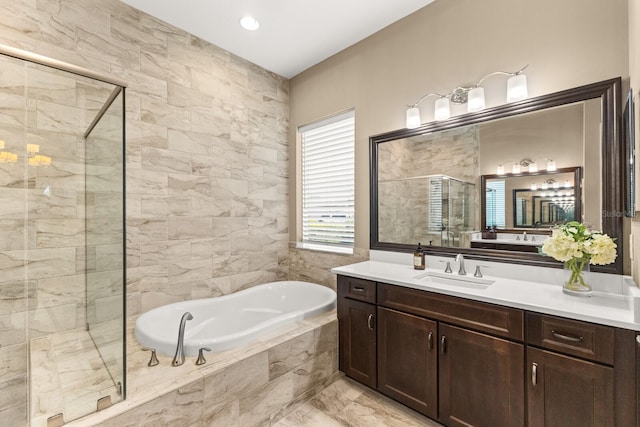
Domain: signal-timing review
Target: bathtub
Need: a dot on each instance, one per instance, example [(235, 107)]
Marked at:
[(232, 320)]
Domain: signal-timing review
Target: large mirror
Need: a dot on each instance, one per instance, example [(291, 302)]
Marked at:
[(492, 184)]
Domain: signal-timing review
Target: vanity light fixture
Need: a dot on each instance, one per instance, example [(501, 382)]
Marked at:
[(534, 187), (551, 165), (249, 23), (473, 96), (567, 184), (500, 169), (515, 169)]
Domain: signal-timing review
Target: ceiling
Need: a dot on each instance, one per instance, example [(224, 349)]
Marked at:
[(293, 35)]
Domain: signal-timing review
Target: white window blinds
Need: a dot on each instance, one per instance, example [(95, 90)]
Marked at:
[(496, 204), (328, 182)]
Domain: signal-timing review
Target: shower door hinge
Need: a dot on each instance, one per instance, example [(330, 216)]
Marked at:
[(104, 403), (56, 420)]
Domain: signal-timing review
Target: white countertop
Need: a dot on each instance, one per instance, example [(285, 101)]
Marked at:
[(509, 241), (612, 309)]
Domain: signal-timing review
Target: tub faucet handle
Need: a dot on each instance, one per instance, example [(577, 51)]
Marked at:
[(154, 359), (201, 360)]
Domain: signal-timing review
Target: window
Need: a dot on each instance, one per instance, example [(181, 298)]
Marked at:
[(495, 214), (328, 184)]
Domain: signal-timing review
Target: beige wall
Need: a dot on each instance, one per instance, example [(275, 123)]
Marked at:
[(567, 43)]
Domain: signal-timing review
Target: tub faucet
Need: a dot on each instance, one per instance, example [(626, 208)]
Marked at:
[(460, 260), (178, 359)]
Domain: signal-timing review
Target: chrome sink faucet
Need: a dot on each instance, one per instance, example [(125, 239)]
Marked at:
[(178, 359), (460, 261)]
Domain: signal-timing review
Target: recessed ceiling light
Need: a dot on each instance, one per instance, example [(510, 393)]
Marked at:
[(249, 23)]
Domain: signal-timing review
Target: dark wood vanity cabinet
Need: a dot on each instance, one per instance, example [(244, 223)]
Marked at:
[(408, 360), (566, 391), (467, 363), (578, 373), (357, 329), (481, 379)]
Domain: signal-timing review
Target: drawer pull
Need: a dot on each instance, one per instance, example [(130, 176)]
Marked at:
[(443, 344), (430, 341), (567, 337), (534, 374), (370, 322), (358, 289)]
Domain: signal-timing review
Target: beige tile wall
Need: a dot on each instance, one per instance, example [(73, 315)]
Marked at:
[(206, 146), (206, 162)]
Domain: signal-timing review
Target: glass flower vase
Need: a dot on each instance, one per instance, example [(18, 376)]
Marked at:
[(575, 283)]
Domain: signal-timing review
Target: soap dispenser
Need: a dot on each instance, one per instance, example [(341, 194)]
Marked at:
[(418, 258)]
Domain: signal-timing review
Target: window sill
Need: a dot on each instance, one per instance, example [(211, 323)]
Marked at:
[(324, 248)]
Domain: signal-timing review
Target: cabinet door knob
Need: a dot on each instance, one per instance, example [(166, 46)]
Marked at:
[(430, 341), (370, 322), (443, 344), (534, 374)]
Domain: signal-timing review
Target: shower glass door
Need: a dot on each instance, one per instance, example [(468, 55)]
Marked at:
[(61, 243)]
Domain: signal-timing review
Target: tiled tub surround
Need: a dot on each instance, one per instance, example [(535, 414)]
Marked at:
[(253, 385), (206, 174)]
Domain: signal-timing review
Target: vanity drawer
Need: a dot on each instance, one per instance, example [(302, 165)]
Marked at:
[(573, 337), (493, 319), (360, 289)]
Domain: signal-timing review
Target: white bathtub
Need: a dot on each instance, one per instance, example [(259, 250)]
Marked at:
[(232, 320)]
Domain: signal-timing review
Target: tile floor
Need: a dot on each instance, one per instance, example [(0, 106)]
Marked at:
[(347, 403), (68, 376)]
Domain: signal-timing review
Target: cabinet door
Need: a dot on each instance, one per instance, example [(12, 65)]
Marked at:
[(408, 360), (481, 379), (357, 328), (564, 391)]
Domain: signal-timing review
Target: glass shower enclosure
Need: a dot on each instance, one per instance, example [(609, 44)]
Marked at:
[(62, 265), (431, 209)]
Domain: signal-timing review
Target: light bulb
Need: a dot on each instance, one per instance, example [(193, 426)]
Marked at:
[(442, 111), (517, 88), (413, 117), (500, 170), (551, 165), (515, 168), (475, 100), (534, 187), (533, 167), (249, 23)]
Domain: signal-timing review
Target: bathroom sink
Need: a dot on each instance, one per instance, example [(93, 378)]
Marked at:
[(455, 279)]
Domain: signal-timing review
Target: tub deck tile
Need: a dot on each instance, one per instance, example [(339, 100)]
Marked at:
[(232, 389)]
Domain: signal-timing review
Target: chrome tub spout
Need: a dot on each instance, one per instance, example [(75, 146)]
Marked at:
[(178, 359)]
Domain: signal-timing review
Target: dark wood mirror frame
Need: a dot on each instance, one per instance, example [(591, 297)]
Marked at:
[(577, 188), (608, 91)]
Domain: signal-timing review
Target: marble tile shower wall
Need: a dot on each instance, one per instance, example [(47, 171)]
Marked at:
[(206, 165), (42, 216), (206, 146), (404, 204)]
